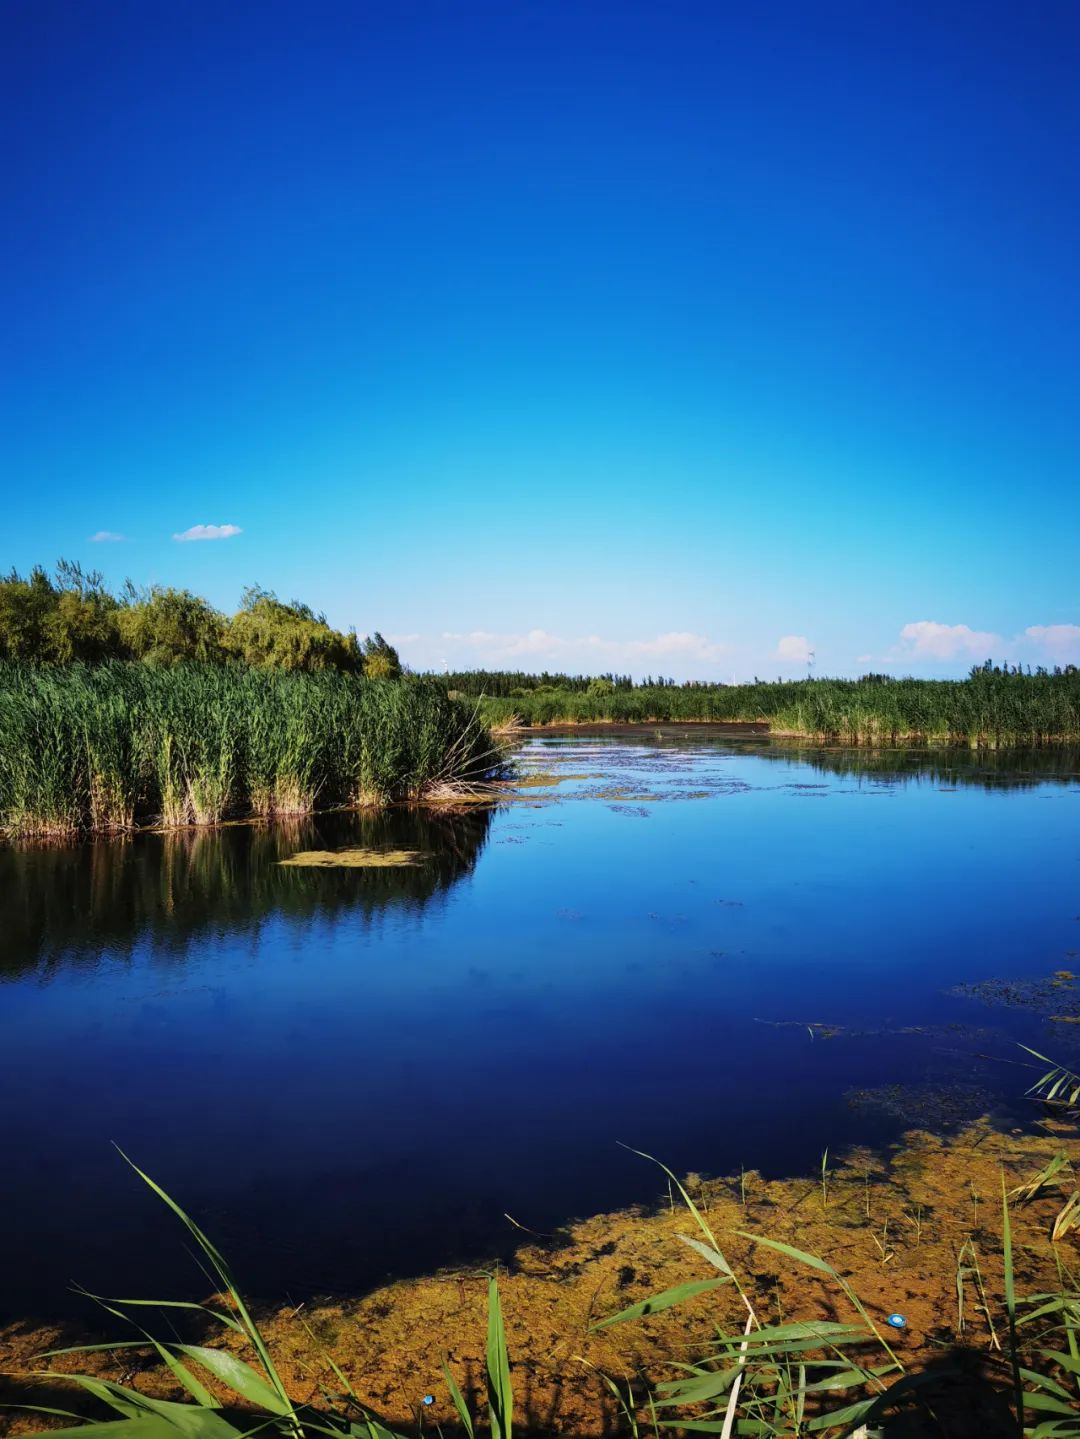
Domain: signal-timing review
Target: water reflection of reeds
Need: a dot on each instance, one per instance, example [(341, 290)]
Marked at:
[(983, 769), (71, 905)]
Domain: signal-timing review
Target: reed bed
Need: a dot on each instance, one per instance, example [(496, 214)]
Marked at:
[(991, 708), (100, 748)]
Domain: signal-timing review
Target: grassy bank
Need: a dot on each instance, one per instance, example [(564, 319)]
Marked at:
[(97, 748), (991, 707)]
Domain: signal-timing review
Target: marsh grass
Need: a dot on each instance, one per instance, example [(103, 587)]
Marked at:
[(102, 748), (992, 708)]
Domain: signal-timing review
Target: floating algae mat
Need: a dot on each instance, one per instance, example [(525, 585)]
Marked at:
[(353, 858)]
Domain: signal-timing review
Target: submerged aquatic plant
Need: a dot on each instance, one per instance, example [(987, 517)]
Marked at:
[(969, 1271)]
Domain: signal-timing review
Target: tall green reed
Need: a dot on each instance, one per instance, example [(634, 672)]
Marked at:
[(93, 748)]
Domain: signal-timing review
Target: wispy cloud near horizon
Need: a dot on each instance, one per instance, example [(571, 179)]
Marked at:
[(927, 647), (937, 643), (207, 532), (539, 647), (106, 537), (793, 650)]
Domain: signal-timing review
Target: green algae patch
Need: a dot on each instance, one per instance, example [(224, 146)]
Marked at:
[(353, 858)]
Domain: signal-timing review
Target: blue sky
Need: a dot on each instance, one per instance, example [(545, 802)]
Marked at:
[(669, 337)]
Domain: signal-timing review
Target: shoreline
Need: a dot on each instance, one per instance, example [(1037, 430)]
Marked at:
[(762, 729), (748, 729)]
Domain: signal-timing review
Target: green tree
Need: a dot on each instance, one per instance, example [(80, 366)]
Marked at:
[(381, 659), (266, 631), (55, 621), (164, 626)]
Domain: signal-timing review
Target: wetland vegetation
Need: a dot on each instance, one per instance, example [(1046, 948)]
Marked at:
[(996, 706), (233, 981), (106, 747), (154, 708)]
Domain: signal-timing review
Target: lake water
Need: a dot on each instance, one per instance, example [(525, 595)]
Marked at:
[(724, 952)]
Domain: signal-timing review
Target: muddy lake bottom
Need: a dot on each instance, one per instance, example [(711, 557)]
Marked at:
[(727, 952)]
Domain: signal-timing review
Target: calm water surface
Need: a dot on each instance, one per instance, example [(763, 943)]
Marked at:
[(351, 1074)]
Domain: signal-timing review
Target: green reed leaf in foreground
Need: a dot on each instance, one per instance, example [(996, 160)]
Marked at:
[(1010, 1304), (500, 1391), (221, 1269), (142, 1426), (238, 1376), (664, 1300), (1057, 1086), (813, 1261), (460, 1406)]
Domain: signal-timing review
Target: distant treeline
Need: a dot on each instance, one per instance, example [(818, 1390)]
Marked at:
[(994, 705), (512, 684), (70, 617)]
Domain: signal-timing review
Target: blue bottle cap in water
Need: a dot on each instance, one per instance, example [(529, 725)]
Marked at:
[(429, 1398), (897, 1321)]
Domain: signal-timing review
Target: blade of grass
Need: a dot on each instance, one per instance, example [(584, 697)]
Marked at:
[(1010, 1306), (658, 1302), (500, 1391)]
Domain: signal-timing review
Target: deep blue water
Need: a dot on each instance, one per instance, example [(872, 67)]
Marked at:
[(351, 1074)]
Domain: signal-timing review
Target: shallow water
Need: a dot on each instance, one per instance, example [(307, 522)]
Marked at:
[(723, 952)]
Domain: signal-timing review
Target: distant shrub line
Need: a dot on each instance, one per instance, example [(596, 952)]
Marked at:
[(105, 747), (992, 706)]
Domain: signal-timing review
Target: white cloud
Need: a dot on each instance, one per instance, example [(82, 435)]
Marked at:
[(930, 641), (680, 644), (106, 537), (490, 647), (1061, 643), (208, 532), (535, 642), (795, 649), (922, 647), (927, 639)]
